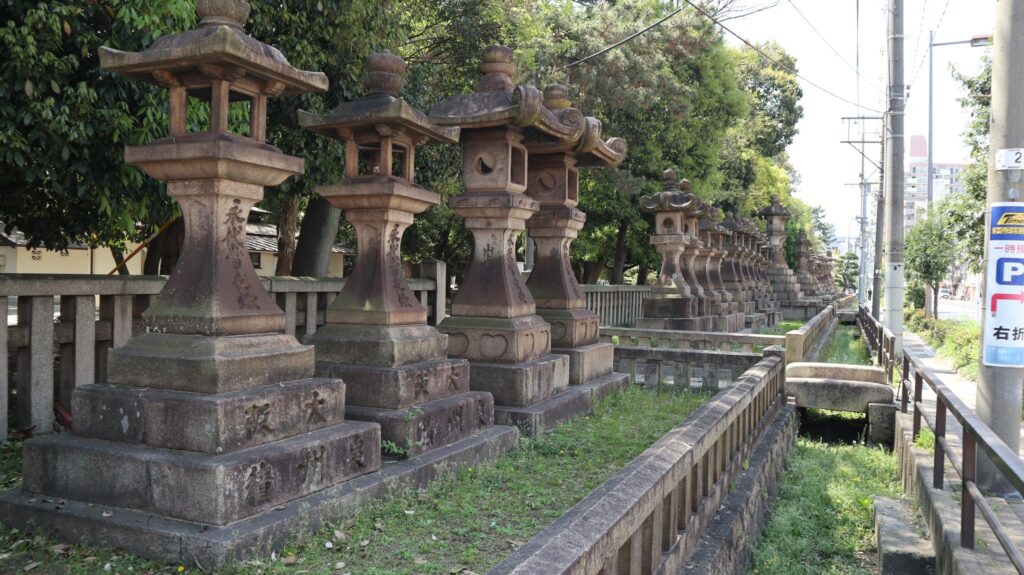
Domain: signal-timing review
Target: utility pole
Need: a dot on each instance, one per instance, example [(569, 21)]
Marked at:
[(865, 189), (876, 294), (894, 189), (999, 388)]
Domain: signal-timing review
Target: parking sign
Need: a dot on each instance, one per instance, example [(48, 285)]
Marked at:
[(1003, 337)]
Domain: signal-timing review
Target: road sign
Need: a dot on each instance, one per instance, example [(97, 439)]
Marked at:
[(1003, 332)]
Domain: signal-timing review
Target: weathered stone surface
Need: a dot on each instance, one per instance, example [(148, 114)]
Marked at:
[(837, 394), (431, 425), (602, 387), (543, 416), (882, 422), (199, 487), (588, 363), (571, 327), (378, 345), (497, 340), (208, 423), (727, 546), (900, 538), (399, 387), (836, 371), (204, 364), (182, 542), (522, 384)]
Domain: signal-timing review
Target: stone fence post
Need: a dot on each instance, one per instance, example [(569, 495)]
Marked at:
[(436, 270)]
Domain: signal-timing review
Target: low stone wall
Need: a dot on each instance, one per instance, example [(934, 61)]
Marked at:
[(650, 516), (680, 339), (685, 368), (808, 342)]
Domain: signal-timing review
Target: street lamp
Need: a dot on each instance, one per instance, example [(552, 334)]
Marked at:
[(975, 42)]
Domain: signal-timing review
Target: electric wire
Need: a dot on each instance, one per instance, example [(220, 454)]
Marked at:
[(856, 70), (773, 60), (920, 64), (623, 41)]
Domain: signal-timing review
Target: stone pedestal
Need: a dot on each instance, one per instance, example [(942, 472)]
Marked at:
[(494, 322), (398, 371)]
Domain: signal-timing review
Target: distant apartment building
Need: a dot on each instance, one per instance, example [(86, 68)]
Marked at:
[(945, 181)]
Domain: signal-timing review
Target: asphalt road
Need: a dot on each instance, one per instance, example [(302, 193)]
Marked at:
[(957, 309)]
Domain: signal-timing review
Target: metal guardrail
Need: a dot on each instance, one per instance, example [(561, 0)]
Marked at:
[(975, 434)]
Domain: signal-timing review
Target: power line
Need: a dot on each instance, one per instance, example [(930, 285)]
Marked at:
[(920, 64), (920, 27), (771, 59), (856, 70), (623, 41)]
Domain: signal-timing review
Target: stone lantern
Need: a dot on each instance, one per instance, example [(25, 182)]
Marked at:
[(688, 264), (396, 367), (210, 420), (784, 282), (727, 316), (671, 304), (553, 180), (494, 323), (808, 285)]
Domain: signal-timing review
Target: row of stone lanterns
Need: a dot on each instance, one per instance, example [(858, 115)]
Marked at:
[(216, 430)]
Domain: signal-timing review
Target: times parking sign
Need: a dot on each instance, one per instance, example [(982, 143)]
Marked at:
[(1003, 337)]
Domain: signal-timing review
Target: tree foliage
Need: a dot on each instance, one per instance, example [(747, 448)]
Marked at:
[(930, 249), (845, 273), (966, 210)]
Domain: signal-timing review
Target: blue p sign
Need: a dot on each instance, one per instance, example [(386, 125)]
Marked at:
[(1010, 271)]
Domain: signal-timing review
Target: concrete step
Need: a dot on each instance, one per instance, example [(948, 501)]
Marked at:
[(901, 538)]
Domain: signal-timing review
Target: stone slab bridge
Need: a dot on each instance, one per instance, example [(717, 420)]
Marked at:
[(219, 412)]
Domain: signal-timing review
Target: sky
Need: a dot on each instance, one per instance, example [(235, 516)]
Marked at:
[(825, 164)]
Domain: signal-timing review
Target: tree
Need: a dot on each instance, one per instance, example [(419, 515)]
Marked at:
[(966, 210), (64, 123), (930, 251), (845, 274)]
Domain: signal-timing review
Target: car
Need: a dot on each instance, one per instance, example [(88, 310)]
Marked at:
[(944, 293)]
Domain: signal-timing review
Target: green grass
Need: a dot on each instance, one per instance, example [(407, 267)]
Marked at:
[(467, 520), (781, 328), (822, 520), (847, 347)]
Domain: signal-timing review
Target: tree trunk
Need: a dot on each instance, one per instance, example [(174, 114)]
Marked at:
[(641, 275), (119, 259), (319, 229), (935, 301), (619, 267), (170, 246), (151, 266), (287, 224), (592, 271)]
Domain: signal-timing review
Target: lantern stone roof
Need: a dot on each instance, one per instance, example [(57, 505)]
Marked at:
[(551, 124), (673, 196), (218, 47), (774, 209), (383, 79)]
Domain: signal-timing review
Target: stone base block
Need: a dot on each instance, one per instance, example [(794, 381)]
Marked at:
[(882, 422), (571, 327), (497, 340), (677, 323), (204, 422), (378, 345), (902, 549), (187, 543), (589, 362), (427, 426), (577, 400), (669, 307), (212, 489), (205, 364), (399, 387), (542, 417), (755, 320), (522, 384)]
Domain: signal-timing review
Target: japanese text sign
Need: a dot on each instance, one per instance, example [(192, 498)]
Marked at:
[(1003, 333)]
